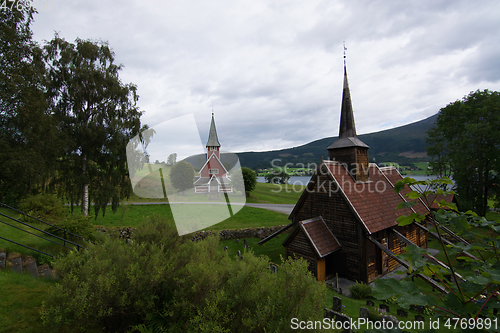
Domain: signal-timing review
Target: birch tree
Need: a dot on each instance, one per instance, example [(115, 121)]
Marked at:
[(96, 115)]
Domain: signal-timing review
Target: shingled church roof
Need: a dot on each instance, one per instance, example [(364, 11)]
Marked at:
[(373, 203), (323, 240), (213, 141)]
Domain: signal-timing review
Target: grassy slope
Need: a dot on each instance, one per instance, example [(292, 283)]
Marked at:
[(25, 238), (275, 194), (272, 249), (247, 217), (21, 301)]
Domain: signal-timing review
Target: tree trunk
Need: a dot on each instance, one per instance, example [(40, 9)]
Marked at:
[(485, 192), (85, 187)]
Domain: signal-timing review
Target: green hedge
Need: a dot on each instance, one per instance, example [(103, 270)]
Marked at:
[(163, 281)]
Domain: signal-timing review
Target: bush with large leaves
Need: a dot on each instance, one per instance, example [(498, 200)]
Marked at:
[(471, 275)]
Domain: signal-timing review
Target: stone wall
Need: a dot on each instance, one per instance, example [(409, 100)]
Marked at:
[(261, 233), (240, 233)]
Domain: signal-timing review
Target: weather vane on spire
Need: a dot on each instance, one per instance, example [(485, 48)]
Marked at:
[(345, 48)]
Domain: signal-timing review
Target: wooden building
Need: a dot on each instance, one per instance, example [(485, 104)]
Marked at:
[(213, 176), (345, 220)]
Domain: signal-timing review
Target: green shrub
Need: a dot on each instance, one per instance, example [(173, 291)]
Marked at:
[(45, 207), (77, 224), (164, 282), (374, 315), (360, 290)]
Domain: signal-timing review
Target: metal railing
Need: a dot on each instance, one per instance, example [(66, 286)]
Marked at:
[(64, 240)]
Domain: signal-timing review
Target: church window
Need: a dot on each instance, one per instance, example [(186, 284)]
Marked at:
[(371, 261), (213, 171)]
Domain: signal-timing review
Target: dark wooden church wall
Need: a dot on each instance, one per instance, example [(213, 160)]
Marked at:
[(327, 201), (412, 232), (300, 247)]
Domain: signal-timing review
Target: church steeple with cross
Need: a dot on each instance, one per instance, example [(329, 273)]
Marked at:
[(213, 145), (348, 148)]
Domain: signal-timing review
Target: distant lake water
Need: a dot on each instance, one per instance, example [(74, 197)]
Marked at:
[(303, 180), (294, 180)]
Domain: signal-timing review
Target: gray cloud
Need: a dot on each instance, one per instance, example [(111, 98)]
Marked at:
[(272, 71)]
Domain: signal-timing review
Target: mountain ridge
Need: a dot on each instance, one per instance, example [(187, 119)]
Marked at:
[(403, 144)]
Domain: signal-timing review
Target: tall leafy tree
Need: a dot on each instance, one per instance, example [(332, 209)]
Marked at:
[(249, 179), (27, 142), (96, 115), (182, 176), (467, 138)]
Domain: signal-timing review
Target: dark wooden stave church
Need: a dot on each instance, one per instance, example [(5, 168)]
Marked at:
[(345, 220)]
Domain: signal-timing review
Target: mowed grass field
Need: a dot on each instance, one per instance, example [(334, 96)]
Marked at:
[(275, 194), (21, 302), (248, 217)]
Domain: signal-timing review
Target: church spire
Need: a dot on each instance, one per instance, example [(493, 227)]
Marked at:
[(213, 141), (347, 130), (348, 149), (347, 125)]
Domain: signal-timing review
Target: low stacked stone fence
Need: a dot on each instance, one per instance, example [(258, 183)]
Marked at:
[(261, 232)]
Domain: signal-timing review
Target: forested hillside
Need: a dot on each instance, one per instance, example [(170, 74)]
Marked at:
[(402, 144)]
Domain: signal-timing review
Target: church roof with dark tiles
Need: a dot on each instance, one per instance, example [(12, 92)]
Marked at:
[(322, 239)]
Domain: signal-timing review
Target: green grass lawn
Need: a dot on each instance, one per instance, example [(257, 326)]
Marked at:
[(263, 193), (275, 194), (273, 248), (405, 169), (21, 300), (26, 238), (247, 217)]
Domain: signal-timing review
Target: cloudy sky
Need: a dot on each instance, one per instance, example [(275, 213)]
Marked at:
[(272, 70)]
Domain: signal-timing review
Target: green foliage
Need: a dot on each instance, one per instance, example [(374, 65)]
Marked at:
[(75, 224), (96, 115), (169, 283), (182, 176), (27, 134), (374, 315), (277, 177), (45, 207), (477, 262), (360, 290), (466, 141), (249, 179)]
